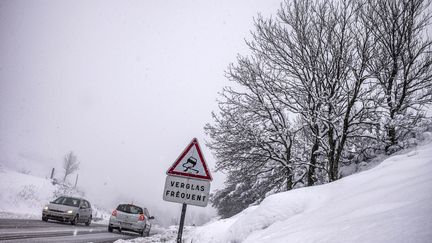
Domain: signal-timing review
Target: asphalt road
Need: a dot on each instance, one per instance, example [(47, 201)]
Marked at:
[(30, 230)]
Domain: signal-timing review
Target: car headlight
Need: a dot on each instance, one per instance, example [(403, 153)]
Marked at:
[(70, 211), (45, 208)]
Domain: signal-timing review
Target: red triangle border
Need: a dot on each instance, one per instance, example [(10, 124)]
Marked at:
[(171, 171)]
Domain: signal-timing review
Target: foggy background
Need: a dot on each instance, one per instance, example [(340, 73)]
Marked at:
[(125, 85)]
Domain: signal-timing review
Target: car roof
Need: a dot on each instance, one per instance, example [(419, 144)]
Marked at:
[(79, 198), (130, 205)]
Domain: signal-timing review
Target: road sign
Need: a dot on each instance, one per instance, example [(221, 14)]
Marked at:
[(191, 163), (186, 190), (188, 181)]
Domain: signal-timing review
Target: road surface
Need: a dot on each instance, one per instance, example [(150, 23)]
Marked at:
[(30, 230)]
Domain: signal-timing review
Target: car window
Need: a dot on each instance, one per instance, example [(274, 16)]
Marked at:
[(84, 204), (129, 209), (71, 202), (59, 200), (146, 212), (88, 204)]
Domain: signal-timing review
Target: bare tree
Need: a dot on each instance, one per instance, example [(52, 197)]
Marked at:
[(70, 164), (311, 95), (402, 64), (320, 51)]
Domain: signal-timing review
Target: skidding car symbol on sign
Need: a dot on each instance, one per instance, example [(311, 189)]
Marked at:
[(190, 163)]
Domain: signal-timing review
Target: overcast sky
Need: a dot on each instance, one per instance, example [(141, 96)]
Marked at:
[(125, 85)]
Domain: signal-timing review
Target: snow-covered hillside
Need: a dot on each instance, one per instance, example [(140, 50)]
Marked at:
[(389, 203), (24, 196)]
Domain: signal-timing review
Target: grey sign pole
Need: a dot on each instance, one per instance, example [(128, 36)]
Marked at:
[(182, 218)]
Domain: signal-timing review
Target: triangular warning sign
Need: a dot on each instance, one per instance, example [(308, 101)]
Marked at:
[(191, 163)]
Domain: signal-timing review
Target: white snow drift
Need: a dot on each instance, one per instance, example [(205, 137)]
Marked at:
[(389, 203), (24, 196)]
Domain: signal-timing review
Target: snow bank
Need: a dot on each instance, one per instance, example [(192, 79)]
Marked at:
[(389, 203), (167, 235), (24, 196), (217, 228)]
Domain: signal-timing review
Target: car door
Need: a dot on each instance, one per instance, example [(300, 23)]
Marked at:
[(83, 211), (89, 208), (148, 221)]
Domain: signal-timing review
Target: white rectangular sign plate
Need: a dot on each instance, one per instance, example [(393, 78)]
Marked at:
[(186, 190)]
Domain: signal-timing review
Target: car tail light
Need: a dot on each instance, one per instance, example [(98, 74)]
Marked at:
[(141, 217), (114, 213)]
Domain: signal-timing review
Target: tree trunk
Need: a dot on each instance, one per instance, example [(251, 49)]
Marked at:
[(332, 166), (289, 176), (312, 164), (391, 139), (391, 130), (391, 133)]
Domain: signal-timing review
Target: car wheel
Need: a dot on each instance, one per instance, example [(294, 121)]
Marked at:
[(110, 229), (88, 221), (148, 231), (74, 220)]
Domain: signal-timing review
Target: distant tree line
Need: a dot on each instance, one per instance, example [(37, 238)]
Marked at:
[(328, 84)]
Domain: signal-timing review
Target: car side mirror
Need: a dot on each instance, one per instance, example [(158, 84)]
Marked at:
[(151, 217)]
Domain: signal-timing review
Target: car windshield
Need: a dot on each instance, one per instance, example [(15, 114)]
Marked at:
[(127, 208), (68, 201)]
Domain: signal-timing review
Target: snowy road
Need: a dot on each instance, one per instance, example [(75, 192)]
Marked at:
[(28, 230)]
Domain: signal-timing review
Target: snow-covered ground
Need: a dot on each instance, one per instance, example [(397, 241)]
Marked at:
[(168, 235), (23, 196), (389, 203)]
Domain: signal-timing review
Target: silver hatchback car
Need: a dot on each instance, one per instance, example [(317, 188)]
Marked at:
[(131, 218), (68, 209)]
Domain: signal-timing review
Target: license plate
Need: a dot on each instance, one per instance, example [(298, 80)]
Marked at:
[(125, 224)]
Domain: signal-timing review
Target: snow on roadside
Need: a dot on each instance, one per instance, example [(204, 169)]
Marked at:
[(157, 234), (24, 196), (218, 228), (388, 203)]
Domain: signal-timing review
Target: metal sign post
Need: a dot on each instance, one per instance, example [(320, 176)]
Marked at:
[(188, 181), (182, 218)]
